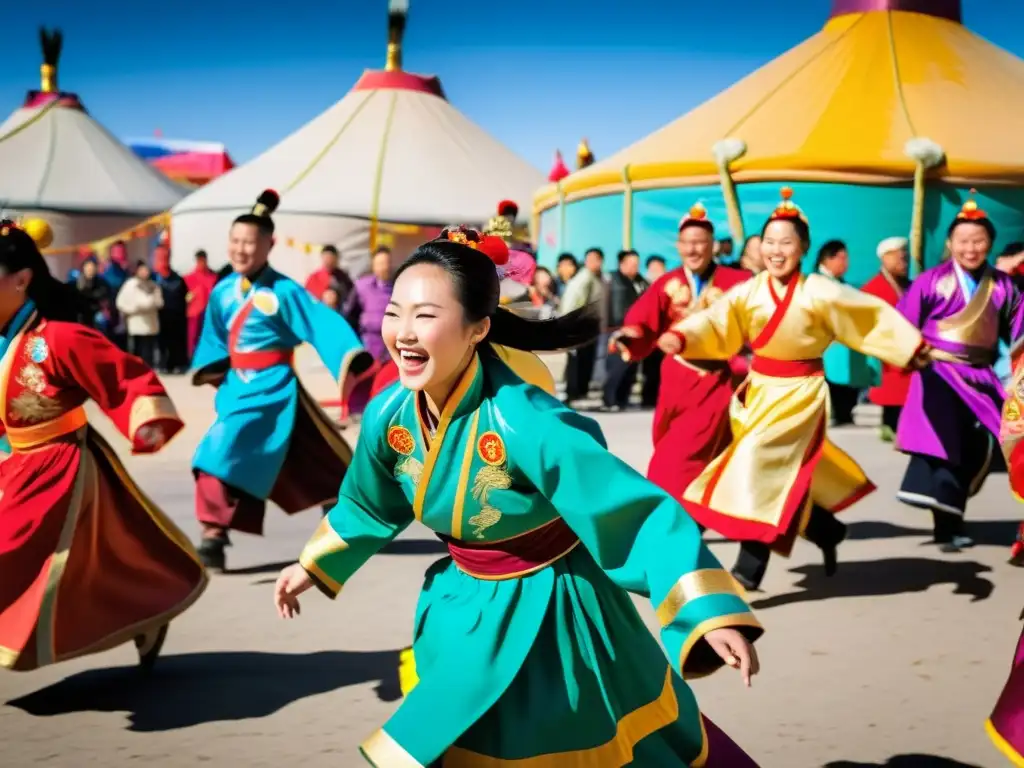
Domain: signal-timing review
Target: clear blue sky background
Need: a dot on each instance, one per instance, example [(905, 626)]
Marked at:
[(539, 75)]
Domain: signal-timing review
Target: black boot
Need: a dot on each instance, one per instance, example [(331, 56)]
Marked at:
[(824, 530), (751, 564), (211, 553), (149, 646)]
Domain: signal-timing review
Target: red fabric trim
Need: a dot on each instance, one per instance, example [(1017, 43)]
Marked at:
[(781, 307), (865, 490), (261, 359), (531, 551), (375, 80), (787, 369)]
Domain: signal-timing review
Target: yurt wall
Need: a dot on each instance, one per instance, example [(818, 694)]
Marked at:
[(859, 215)]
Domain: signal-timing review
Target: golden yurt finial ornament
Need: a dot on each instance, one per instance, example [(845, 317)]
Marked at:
[(398, 12), (52, 41)]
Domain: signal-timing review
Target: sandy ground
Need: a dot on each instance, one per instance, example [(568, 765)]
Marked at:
[(894, 662)]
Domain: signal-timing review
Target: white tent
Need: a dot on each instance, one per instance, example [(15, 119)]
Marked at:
[(393, 151), (58, 163)]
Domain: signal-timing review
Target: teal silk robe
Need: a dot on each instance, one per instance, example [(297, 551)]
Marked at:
[(247, 444), (556, 661)]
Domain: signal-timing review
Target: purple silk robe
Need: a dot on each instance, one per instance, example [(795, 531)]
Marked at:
[(966, 338)]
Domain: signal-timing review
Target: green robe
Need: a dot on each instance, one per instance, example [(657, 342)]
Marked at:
[(557, 661)]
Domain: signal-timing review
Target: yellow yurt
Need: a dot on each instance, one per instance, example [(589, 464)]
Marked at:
[(881, 123)]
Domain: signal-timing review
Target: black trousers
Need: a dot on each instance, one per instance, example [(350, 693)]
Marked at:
[(619, 379), (173, 352), (650, 369), (891, 416), (579, 371), (823, 530), (844, 400), (145, 348)]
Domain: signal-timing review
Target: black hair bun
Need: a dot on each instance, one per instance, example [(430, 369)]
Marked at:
[(269, 199)]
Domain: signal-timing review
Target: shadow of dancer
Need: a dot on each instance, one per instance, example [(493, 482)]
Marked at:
[(195, 688), (997, 533), (896, 576), (905, 761)]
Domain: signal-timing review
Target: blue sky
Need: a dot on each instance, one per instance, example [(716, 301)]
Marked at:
[(539, 75)]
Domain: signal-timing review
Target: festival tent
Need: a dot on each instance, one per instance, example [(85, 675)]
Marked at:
[(389, 164), (57, 162), (881, 123), (193, 163)]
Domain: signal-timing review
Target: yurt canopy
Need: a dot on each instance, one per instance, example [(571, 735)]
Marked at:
[(889, 90), (61, 164), (372, 169)]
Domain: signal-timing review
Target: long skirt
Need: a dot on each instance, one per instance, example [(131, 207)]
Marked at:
[(557, 666), (89, 562), (1006, 725)]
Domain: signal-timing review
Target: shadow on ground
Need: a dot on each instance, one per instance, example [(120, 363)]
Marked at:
[(894, 576), (996, 533), (190, 689), (906, 761)]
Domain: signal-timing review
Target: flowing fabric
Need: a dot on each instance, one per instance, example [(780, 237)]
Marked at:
[(780, 461), (553, 665), (89, 561)]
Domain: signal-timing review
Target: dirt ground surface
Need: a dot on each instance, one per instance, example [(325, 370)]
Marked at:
[(896, 661)]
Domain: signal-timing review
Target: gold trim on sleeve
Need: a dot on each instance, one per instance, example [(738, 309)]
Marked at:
[(694, 585), (149, 408), (324, 543), (384, 752)]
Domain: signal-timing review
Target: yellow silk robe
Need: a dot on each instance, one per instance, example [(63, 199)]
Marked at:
[(780, 462)]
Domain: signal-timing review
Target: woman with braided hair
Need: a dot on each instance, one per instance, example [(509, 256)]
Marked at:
[(526, 641), (89, 561)]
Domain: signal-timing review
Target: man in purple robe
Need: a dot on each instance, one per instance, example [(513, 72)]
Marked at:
[(950, 423), (364, 309)]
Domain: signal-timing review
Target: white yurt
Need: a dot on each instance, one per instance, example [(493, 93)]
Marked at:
[(60, 164), (374, 169)]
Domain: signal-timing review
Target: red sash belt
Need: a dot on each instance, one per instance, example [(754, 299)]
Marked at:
[(787, 369), (261, 359), (512, 558)]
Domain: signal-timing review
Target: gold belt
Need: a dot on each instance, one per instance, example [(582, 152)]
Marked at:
[(27, 438)]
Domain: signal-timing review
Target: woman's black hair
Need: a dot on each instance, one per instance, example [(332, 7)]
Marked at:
[(54, 299), (477, 287), (829, 250), (260, 215), (983, 221), (803, 231), (138, 265)]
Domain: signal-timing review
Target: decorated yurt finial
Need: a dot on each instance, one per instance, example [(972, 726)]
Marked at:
[(943, 9), (558, 170), (584, 156), (52, 41), (398, 10)]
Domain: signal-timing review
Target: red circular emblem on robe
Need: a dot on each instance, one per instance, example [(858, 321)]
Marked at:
[(491, 449), (401, 440)]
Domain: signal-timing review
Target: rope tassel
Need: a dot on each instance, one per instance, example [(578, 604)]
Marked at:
[(926, 154), (728, 151)]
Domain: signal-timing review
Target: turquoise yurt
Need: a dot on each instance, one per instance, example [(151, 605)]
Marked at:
[(881, 123)]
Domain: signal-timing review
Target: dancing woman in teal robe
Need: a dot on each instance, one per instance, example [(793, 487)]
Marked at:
[(270, 439), (528, 648)]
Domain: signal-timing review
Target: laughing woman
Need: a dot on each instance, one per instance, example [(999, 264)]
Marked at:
[(88, 561), (529, 618)]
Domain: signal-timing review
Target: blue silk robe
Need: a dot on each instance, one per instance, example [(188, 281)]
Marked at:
[(256, 409), (554, 660)]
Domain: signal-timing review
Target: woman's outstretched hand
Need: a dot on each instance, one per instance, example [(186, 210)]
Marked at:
[(735, 650), (292, 582)]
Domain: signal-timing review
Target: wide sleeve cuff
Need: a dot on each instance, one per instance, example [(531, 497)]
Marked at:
[(152, 422), (324, 546)]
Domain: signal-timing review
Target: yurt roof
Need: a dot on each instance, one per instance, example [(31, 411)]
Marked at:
[(56, 157), (842, 105), (393, 149)]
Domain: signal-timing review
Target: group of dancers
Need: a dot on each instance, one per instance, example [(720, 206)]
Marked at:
[(531, 610)]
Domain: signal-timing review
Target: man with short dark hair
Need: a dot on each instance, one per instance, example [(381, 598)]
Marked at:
[(585, 288), (330, 272), (654, 268), (624, 288), (565, 271)]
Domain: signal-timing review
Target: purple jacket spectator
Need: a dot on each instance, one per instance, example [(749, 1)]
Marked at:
[(364, 309)]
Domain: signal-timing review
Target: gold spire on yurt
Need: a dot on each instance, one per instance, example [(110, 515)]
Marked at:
[(398, 11), (52, 41), (584, 156)]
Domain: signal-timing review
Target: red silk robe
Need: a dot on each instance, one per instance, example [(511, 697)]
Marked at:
[(691, 420), (89, 562), (895, 381)]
